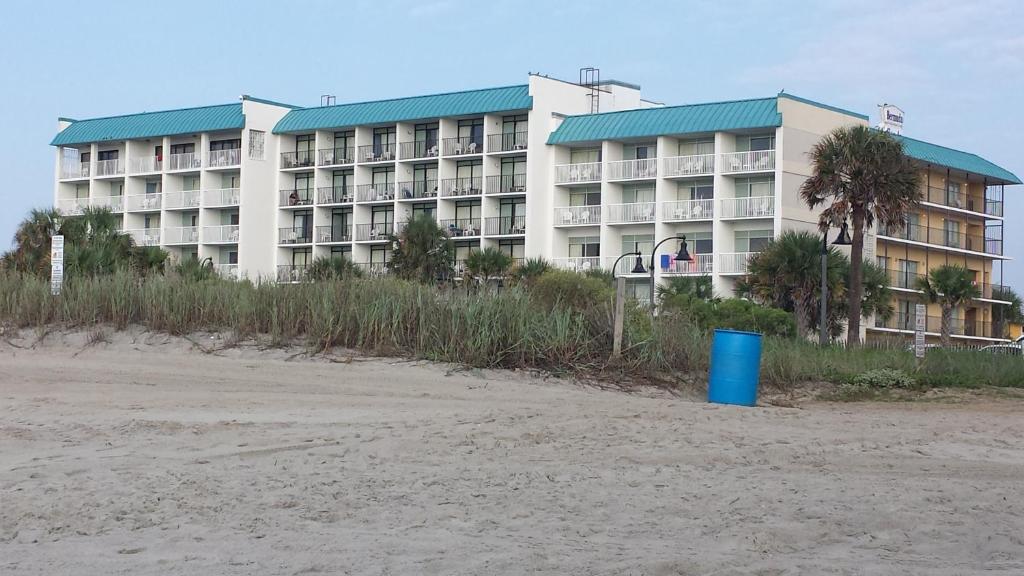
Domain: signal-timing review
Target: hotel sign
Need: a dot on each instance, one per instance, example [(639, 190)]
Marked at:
[(891, 118)]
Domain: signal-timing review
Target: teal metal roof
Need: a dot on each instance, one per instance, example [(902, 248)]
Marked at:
[(151, 124), (689, 119), (405, 109), (956, 159)]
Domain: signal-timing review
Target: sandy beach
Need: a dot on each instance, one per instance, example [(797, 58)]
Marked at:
[(138, 454)]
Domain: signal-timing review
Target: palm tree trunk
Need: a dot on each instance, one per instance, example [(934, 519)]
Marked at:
[(802, 313), (947, 318), (856, 293)]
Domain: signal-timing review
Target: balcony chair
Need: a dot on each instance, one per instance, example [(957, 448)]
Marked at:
[(432, 151), (471, 149), (457, 148)]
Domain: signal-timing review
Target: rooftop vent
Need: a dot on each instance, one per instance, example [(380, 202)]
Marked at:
[(328, 99)]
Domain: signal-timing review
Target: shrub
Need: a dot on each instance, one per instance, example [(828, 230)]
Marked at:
[(884, 378), (563, 287)]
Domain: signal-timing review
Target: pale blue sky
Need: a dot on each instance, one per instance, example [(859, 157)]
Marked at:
[(955, 67)]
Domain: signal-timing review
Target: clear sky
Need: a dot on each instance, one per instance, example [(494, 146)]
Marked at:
[(956, 67)]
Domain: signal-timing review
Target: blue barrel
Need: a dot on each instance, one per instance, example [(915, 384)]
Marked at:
[(735, 367)]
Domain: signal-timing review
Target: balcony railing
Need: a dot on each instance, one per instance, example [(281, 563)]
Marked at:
[(143, 202), (695, 165), (181, 235), (228, 271), (461, 227), (109, 167), (947, 238), (377, 152), (643, 169), (296, 197), (507, 184), (373, 269), (374, 232), (186, 161), (751, 207), (329, 234), (145, 236), (461, 187), (630, 213), (505, 225), (336, 194), (291, 272), (462, 146), (220, 234), (700, 266), (222, 197), (417, 189), (337, 156), (681, 210), (507, 141), (753, 161), (147, 164), (418, 149), (734, 262), (297, 159), (959, 200), (907, 280), (74, 171), (292, 235), (113, 203), (72, 206), (578, 264), (375, 192), (933, 325), (577, 216), (578, 173), (181, 199), (625, 266), (225, 158)]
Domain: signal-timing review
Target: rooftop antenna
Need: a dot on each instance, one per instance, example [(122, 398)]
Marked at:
[(591, 78), (328, 99)]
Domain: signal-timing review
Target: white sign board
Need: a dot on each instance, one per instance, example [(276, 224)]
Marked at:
[(56, 263), (891, 118), (919, 326)]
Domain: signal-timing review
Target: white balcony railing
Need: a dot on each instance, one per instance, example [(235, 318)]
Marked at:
[(181, 235), (700, 265), (752, 207), (753, 161), (146, 164), (109, 167), (578, 173), (145, 236), (74, 170), (578, 264), (113, 203), (187, 161), (181, 199), (220, 234), (678, 210), (139, 202), (627, 264), (642, 169), (733, 262), (72, 206), (577, 215), (627, 213), (221, 197), (225, 158), (695, 165), (229, 271)]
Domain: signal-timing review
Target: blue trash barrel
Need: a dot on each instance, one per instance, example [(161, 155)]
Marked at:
[(735, 367)]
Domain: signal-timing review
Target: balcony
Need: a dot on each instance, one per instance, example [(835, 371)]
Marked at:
[(506, 184), (377, 153), (181, 235), (337, 156), (373, 269), (946, 238), (291, 272), (687, 210), (327, 195), (584, 173), (186, 161), (226, 271), (113, 203), (753, 161), (181, 200), (225, 158), (733, 262), (74, 171), (462, 146), (220, 234), (505, 226), (292, 235), (143, 202), (700, 266), (507, 142), (374, 232), (689, 166), (634, 213), (147, 164), (752, 207), (958, 327), (577, 216), (375, 192), (145, 236), (977, 203), (333, 234), (298, 159), (643, 169), (295, 198), (72, 206), (452, 187), (907, 280), (579, 264), (418, 149), (461, 227), (113, 167), (221, 198), (417, 189)]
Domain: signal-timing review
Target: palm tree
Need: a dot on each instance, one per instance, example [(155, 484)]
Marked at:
[(865, 177), (877, 298), (31, 252), (488, 264), (423, 252), (699, 287), (334, 268), (531, 269), (949, 286), (1004, 314)]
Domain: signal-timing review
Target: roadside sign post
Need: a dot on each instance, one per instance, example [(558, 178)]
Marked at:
[(56, 263), (919, 326)]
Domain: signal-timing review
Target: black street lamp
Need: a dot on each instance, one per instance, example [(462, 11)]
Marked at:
[(683, 255), (843, 239), (639, 263)]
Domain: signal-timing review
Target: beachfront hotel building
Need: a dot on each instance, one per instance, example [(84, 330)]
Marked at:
[(575, 172)]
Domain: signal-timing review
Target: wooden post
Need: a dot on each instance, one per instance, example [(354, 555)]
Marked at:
[(620, 304)]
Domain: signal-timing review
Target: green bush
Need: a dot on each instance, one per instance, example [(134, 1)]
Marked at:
[(577, 291), (883, 378), (733, 314)]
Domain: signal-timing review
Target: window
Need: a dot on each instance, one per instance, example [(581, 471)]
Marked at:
[(233, 219), (383, 140), (108, 155), (189, 148), (379, 255), (696, 147), (341, 225), (632, 242), (424, 208), (755, 143), (188, 183), (383, 176), (344, 252), (304, 145), (84, 157), (426, 137), (463, 250), (382, 216), (907, 274), (696, 190), (117, 188), (467, 209), (514, 248), (585, 197), (699, 242), (753, 187), (342, 179), (882, 262), (584, 246), (472, 130), (256, 139), (514, 124), (513, 174), (343, 141), (953, 195), (752, 240), (233, 144), (153, 187), (302, 256), (425, 174), (469, 169), (637, 193), (302, 221), (639, 151), (584, 155), (82, 191), (953, 233), (231, 181), (304, 186), (191, 219), (233, 257)]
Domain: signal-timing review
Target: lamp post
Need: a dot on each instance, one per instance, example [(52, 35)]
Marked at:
[(842, 240), (681, 256), (620, 288)]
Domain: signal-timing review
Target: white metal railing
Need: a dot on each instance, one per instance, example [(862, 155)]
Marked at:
[(220, 234), (578, 264), (109, 167), (641, 169), (143, 202), (373, 269), (74, 170), (752, 161), (72, 206), (634, 212), (146, 164), (574, 173), (733, 262), (145, 236), (751, 207), (181, 199), (700, 265), (112, 203), (181, 235), (221, 197), (186, 161), (375, 192), (577, 215), (695, 165), (676, 210), (224, 158), (229, 271)]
